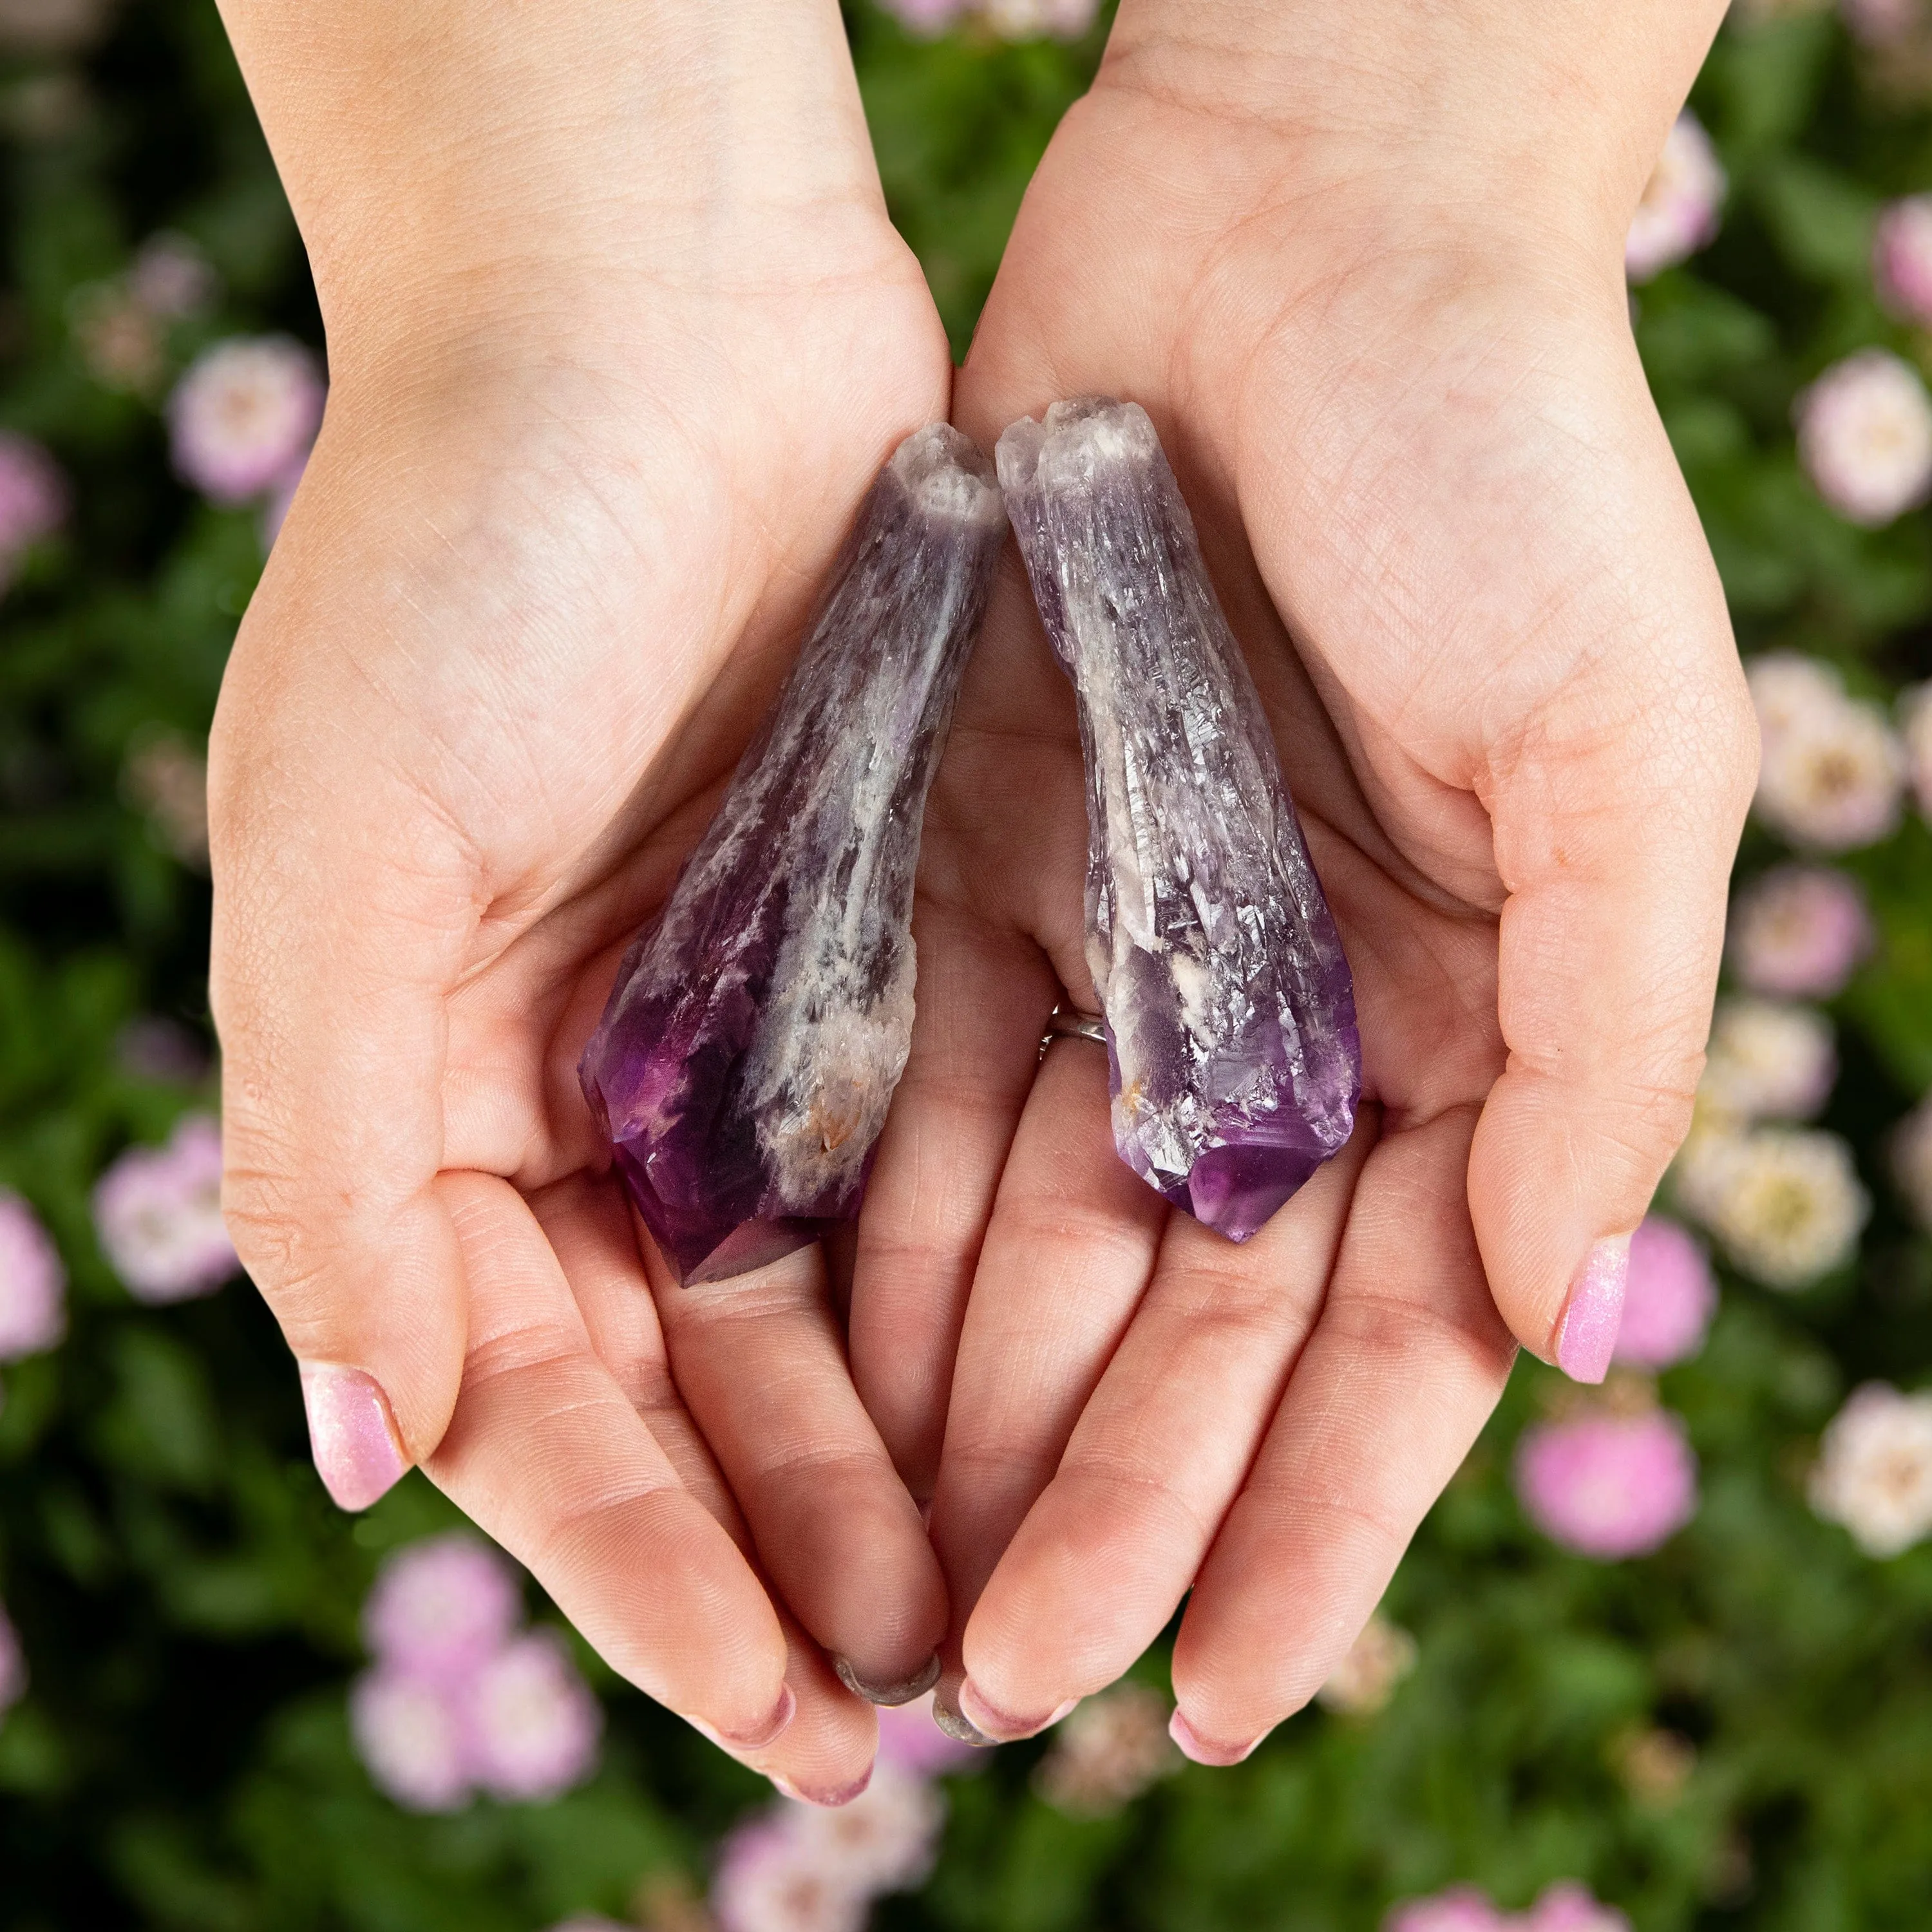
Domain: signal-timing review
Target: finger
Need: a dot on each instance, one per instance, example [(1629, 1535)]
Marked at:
[(1403, 1368), (545, 1451), (1614, 829), (330, 1015), (759, 1361), (984, 997), (996, 942), (1106, 1555), (1067, 1258), (588, 1224)]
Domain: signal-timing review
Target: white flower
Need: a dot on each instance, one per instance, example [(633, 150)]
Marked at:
[(1107, 1751), (1028, 20), (1911, 1160), (1767, 1059), (1874, 1470), (1678, 213), (1785, 1202), (1915, 714), (1365, 1680), (1833, 768), (1864, 436)]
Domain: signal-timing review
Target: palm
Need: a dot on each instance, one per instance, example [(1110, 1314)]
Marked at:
[(513, 640), (1439, 484)]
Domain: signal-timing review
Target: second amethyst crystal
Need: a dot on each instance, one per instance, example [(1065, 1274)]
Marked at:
[(742, 1069), (1230, 1012)]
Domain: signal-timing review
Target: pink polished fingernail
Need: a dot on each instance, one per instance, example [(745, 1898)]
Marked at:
[(1195, 1747), (352, 1434), (1588, 1336), (825, 1800), (996, 1724), (760, 1735)]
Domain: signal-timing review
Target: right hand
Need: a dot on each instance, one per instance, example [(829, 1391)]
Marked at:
[(619, 334)]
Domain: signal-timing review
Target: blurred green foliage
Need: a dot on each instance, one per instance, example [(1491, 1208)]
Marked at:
[(188, 1599)]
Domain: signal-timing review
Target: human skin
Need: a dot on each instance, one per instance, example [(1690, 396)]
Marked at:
[(619, 336), (1363, 267)]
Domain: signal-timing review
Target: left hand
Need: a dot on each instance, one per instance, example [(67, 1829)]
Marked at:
[(1382, 329)]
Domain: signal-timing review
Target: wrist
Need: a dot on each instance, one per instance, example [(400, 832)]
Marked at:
[(461, 168), (1471, 118)]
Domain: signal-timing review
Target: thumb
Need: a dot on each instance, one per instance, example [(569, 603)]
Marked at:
[(1614, 837), (329, 970)]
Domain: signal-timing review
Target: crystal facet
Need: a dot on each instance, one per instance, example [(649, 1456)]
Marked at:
[(742, 1069), (1235, 1061)]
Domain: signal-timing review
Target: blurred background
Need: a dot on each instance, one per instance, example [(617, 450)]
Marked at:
[(1661, 1658)]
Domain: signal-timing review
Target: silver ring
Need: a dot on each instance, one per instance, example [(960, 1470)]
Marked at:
[(1066, 1022)]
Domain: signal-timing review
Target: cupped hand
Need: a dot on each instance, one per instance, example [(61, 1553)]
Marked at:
[(1372, 296), (619, 335)]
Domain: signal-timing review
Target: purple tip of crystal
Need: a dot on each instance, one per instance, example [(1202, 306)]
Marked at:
[(742, 1069), (1235, 1063)]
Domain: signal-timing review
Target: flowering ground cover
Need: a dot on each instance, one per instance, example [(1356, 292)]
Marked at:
[(1659, 1659)]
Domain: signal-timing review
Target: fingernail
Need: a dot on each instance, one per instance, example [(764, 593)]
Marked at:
[(827, 1800), (1195, 1747), (947, 1715), (996, 1724), (760, 1735), (352, 1434), (903, 1692), (1588, 1336)]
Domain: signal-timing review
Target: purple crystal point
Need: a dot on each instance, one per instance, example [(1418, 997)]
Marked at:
[(742, 1069), (1230, 1015)]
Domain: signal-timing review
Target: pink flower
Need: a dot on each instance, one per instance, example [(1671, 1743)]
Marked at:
[(172, 278), (33, 498), (1767, 1059), (1902, 258), (157, 1211), (442, 1607), (245, 415), (1461, 1909), (1799, 930), (768, 1881), (885, 1839), (1678, 213), (408, 1732), (1668, 1297), (1608, 1485), (1864, 436), (460, 1700), (910, 1741), (1568, 1907), (33, 1283), (1881, 23), (13, 1665), (534, 1725)]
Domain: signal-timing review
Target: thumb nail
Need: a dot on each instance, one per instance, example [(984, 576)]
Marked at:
[(352, 1434), (1595, 1311)]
